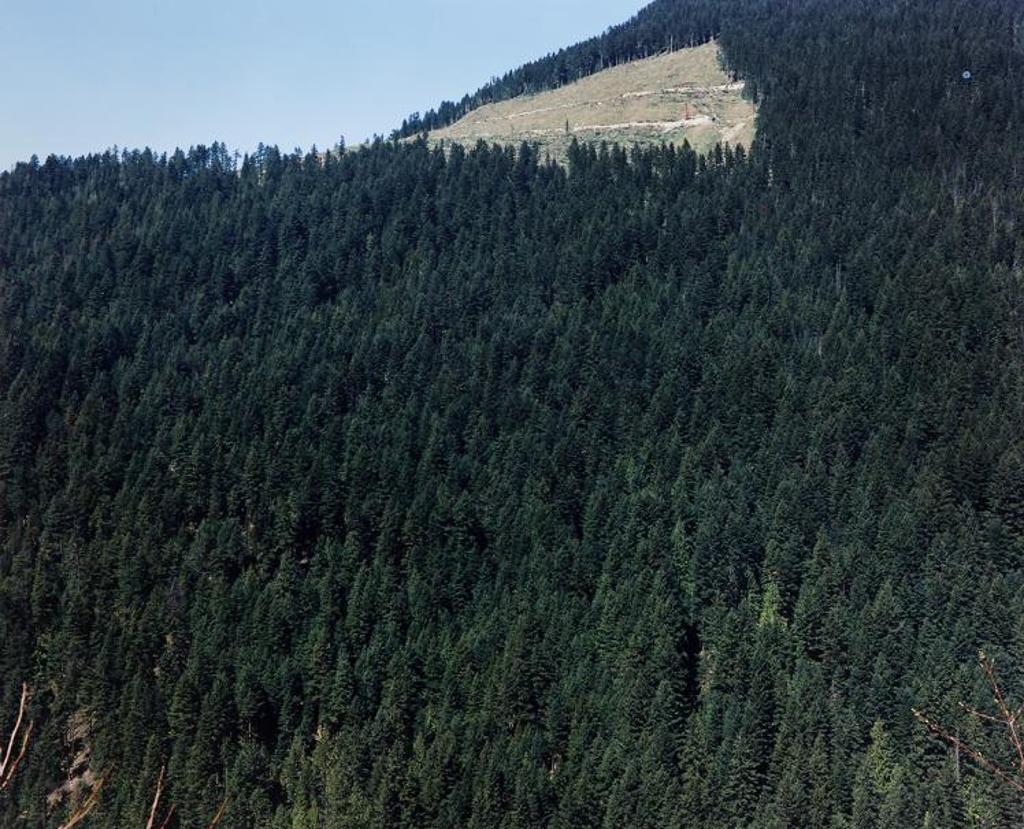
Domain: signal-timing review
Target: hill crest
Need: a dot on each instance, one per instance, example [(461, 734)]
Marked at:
[(668, 98)]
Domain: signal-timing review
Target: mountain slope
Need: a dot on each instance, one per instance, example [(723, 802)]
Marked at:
[(679, 96), (416, 488)]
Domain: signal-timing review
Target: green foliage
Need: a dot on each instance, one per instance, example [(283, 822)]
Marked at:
[(402, 488)]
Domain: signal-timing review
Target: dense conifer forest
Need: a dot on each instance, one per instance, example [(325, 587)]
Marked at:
[(400, 488)]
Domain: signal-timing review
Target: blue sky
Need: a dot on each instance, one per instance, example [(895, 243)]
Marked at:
[(82, 75)]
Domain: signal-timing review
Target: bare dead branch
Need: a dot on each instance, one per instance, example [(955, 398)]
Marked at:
[(969, 750), (1007, 718), (167, 817), (220, 813), (9, 761), (155, 808), (981, 715)]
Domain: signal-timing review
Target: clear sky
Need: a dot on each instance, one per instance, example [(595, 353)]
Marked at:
[(82, 75)]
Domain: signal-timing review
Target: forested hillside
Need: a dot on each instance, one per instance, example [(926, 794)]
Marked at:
[(409, 488)]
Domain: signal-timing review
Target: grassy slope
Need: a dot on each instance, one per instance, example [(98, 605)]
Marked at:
[(680, 95)]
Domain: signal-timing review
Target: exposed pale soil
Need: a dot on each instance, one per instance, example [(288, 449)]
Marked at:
[(667, 98)]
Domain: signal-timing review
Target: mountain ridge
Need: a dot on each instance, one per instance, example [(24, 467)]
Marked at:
[(658, 26), (675, 97)]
